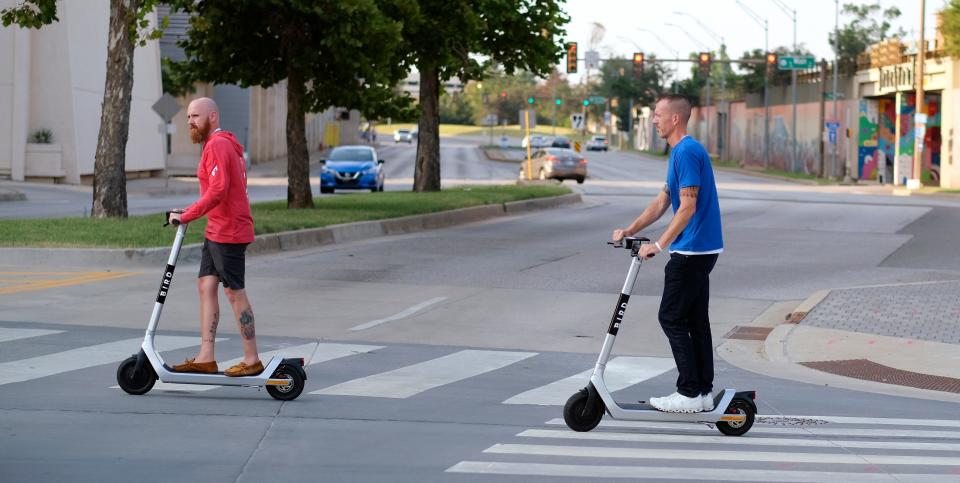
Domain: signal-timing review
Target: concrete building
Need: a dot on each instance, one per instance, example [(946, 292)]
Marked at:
[(53, 79)]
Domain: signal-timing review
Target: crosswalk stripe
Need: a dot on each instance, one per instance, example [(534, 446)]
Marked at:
[(313, 353), (939, 423), (686, 473), (82, 358), (728, 441), (700, 455), (621, 372), (406, 381), (804, 430), (8, 334)]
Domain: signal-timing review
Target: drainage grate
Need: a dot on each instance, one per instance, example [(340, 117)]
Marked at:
[(871, 371), (746, 332)]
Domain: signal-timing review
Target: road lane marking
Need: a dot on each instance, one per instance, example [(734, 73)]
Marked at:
[(686, 473), (798, 430), (8, 334), (701, 455), (65, 279), (621, 372), (406, 313), (728, 441), (82, 358), (410, 380)]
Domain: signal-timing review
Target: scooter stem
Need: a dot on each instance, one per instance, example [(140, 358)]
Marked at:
[(618, 312), (165, 282)]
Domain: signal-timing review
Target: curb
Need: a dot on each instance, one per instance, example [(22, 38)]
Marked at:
[(288, 240), (498, 156)]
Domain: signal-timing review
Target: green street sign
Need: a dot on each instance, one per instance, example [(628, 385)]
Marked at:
[(796, 62), (598, 100)]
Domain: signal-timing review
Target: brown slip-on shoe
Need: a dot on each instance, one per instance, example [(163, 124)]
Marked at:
[(242, 369), (201, 367)]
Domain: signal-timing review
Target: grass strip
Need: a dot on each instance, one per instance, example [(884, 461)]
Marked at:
[(269, 217)]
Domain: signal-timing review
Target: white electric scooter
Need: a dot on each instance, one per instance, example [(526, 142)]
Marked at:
[(733, 412), (283, 378)]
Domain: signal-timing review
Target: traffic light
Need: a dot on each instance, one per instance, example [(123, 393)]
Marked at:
[(638, 64), (704, 62), (559, 101), (586, 102), (531, 100), (503, 95), (771, 63), (572, 58)]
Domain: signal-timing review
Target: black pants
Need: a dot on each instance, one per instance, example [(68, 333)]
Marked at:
[(684, 319)]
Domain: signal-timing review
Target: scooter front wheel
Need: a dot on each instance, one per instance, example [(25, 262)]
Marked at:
[(131, 381), (292, 389), (740, 407), (578, 416)]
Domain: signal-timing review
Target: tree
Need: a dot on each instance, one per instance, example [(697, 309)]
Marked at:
[(128, 27), (455, 108), (330, 53), (870, 25), (752, 78), (445, 39), (951, 27)]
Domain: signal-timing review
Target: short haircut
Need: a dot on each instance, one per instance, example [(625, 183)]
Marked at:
[(678, 104)]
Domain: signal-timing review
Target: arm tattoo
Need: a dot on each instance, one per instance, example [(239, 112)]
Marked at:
[(690, 192), (246, 324), (666, 189)]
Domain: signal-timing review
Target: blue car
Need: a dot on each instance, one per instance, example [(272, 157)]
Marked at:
[(352, 168)]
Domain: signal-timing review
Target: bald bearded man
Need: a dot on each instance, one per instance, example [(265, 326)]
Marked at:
[(223, 200)]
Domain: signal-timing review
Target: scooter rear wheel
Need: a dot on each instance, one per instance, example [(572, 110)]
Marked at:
[(132, 382), (576, 414), (287, 392), (739, 428)]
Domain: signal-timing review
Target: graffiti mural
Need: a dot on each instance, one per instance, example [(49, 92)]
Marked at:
[(868, 140)]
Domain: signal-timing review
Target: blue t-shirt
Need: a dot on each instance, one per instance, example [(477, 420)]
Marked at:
[(690, 166)]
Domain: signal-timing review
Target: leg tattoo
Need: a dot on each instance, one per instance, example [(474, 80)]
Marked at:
[(213, 326), (246, 324)]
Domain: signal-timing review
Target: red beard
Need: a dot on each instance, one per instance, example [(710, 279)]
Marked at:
[(199, 135)]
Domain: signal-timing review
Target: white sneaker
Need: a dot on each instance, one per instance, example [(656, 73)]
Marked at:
[(677, 403), (707, 401)]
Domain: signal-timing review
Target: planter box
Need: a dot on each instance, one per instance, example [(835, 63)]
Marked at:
[(43, 160)]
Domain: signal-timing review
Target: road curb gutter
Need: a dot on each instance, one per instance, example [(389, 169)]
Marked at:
[(285, 241)]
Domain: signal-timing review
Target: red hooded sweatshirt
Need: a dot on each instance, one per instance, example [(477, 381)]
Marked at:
[(223, 191)]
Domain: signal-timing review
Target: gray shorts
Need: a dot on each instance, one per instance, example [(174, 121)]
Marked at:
[(226, 261)]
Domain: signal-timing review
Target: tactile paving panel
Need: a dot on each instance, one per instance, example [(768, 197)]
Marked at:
[(868, 370)]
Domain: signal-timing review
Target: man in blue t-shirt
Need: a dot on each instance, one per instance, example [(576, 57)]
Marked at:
[(695, 240)]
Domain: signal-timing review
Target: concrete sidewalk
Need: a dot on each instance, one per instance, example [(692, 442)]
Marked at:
[(899, 340)]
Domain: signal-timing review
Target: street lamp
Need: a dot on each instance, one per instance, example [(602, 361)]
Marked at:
[(762, 22)]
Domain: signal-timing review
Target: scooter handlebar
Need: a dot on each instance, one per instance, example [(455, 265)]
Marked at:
[(166, 218), (630, 242)]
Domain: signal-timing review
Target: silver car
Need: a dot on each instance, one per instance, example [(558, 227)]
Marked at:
[(555, 163)]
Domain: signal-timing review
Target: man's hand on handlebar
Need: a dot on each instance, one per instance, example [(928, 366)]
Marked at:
[(174, 217), (619, 234), (648, 250)]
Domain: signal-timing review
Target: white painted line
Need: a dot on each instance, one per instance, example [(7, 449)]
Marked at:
[(621, 372), (406, 313), (799, 430), (406, 381), (700, 455), (8, 334), (82, 358), (728, 441), (686, 473), (330, 351)]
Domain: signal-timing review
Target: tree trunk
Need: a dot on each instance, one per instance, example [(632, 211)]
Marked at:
[(298, 159), (109, 171), (426, 177)]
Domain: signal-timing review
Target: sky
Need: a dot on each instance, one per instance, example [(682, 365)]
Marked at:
[(622, 20)]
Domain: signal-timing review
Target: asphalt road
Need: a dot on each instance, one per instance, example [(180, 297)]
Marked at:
[(446, 355)]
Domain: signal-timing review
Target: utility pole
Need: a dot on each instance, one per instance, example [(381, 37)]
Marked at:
[(762, 22), (795, 161), (836, 67), (920, 120)]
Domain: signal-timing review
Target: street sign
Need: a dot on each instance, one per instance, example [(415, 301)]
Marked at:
[(832, 127), (829, 96), (598, 100), (576, 121), (592, 59), (490, 120), (606, 117), (576, 146), (796, 62), (532, 116), (167, 107)]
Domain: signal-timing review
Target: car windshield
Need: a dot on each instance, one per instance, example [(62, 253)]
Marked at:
[(351, 154), (403, 131), (561, 153), (599, 138)]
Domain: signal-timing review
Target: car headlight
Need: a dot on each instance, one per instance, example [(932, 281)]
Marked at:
[(372, 170), (325, 170)]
